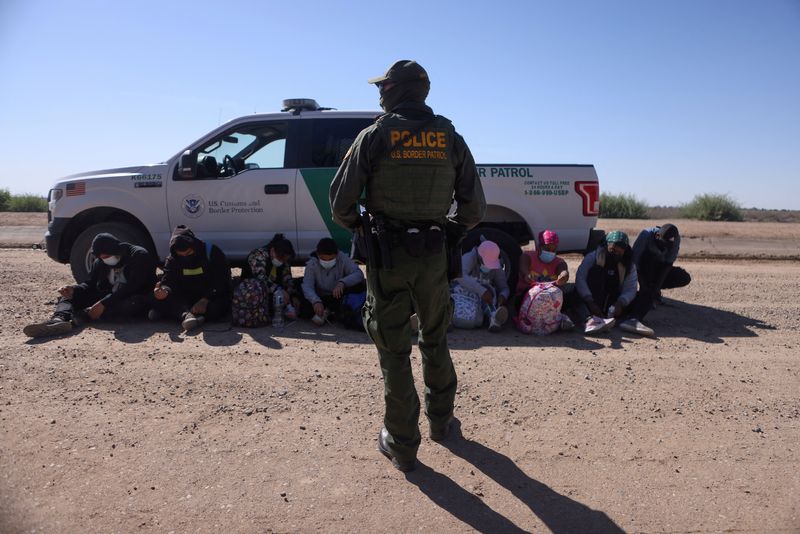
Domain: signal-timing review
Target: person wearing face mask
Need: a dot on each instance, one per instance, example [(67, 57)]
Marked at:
[(196, 284), (411, 167), (541, 266), (118, 287), (271, 265), (330, 274), (484, 277), (606, 283)]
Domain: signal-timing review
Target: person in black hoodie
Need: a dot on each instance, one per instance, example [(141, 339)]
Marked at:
[(196, 284), (119, 283)]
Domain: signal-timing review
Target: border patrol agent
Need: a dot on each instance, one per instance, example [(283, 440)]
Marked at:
[(412, 165)]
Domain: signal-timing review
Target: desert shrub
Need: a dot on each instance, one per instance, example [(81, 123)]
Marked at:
[(622, 207), (5, 197), (713, 207), (27, 203)]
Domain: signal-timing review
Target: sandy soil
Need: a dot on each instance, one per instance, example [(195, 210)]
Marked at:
[(9, 218), (708, 239), (135, 427)]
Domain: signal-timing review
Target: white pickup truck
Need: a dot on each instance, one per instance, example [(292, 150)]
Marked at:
[(265, 173)]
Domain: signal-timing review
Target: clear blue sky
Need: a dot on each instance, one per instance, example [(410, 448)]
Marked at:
[(666, 99)]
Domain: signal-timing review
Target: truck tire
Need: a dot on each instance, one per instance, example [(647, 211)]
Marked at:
[(510, 251), (81, 257)]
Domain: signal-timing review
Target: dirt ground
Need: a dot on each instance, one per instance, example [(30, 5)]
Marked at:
[(136, 427), (9, 218)]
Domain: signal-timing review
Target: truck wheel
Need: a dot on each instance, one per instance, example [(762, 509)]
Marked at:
[(81, 257), (510, 251)]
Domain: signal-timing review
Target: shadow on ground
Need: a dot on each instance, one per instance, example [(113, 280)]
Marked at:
[(671, 319), (559, 513), (702, 323), (220, 334)]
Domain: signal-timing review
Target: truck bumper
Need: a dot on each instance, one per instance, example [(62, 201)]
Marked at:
[(52, 238)]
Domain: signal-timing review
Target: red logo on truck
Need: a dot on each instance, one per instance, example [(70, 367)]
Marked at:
[(590, 194)]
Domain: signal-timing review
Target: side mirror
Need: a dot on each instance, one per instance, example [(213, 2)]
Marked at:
[(187, 167)]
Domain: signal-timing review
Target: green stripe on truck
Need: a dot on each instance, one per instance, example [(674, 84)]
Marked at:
[(318, 182)]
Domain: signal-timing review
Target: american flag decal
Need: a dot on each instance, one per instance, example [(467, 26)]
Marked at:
[(75, 189)]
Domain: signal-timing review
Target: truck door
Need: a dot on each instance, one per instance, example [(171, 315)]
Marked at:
[(241, 194), (325, 143)]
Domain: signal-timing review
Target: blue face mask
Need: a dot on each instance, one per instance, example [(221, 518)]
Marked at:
[(546, 256), (485, 269)]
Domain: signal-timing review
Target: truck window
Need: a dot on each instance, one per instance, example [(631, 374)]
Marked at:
[(253, 146), (330, 140)]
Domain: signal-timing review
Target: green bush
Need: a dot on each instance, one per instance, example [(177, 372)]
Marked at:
[(712, 207), (5, 197), (27, 203), (622, 207)]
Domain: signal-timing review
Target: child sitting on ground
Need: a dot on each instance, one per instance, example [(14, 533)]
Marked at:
[(542, 283), (270, 264), (482, 292), (330, 279)]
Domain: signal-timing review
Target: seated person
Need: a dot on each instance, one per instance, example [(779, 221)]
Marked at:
[(484, 278), (196, 284), (542, 266), (119, 283), (606, 284), (654, 254), (330, 274), (270, 265)]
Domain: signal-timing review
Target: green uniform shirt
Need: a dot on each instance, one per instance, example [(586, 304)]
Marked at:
[(369, 150)]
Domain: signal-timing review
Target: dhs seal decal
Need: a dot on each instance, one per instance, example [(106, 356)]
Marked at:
[(193, 206)]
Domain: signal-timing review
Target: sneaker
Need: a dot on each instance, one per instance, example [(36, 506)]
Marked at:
[(414, 322), (55, 326), (320, 320), (633, 326), (289, 312), (498, 319), (566, 323), (153, 315), (597, 325), (189, 321)]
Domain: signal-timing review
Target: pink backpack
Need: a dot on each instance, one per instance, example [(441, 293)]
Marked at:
[(540, 312)]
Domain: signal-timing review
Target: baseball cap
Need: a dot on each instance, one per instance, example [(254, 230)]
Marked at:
[(405, 70), (490, 254)]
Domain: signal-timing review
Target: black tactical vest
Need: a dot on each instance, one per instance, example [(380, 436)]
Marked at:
[(415, 177)]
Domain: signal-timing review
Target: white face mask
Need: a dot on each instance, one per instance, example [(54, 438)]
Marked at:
[(276, 263), (112, 261), (547, 256), (327, 264)]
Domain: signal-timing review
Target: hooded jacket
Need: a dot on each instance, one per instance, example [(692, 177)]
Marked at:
[(135, 273), (647, 245), (204, 274), (318, 282), (476, 281)]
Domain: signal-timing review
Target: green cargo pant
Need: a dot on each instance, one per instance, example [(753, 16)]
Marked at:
[(412, 285)]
